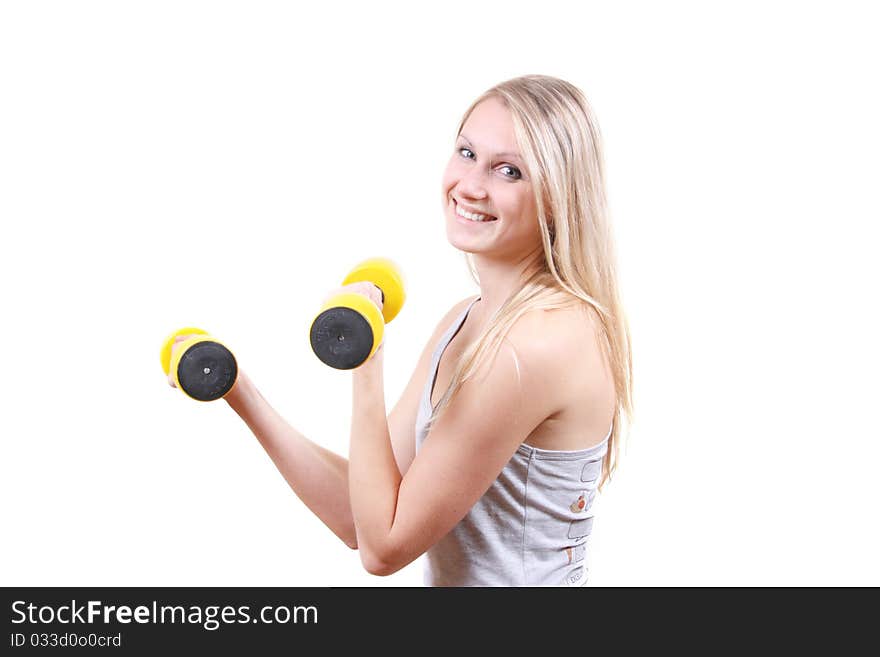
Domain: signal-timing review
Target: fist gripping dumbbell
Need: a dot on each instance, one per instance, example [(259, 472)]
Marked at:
[(350, 327), (202, 367)]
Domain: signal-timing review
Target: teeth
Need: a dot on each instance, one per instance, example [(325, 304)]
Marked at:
[(470, 215)]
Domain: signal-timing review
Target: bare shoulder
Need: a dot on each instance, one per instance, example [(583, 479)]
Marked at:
[(442, 325), (458, 308), (564, 345), (558, 333), (451, 315)]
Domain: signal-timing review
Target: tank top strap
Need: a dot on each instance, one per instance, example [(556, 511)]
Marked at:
[(446, 338)]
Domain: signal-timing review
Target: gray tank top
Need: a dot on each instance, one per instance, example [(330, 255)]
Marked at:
[(532, 527)]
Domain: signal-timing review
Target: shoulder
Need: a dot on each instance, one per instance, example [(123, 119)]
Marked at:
[(452, 314), (555, 333), (442, 325), (459, 308), (560, 344)]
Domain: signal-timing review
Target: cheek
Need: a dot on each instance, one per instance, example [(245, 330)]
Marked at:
[(518, 205), (450, 176), (446, 184), (528, 215)]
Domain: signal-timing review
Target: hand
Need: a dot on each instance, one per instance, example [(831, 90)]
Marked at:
[(363, 288), (175, 346)]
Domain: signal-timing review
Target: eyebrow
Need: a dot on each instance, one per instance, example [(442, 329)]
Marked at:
[(516, 156)]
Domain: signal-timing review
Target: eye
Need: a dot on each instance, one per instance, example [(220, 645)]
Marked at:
[(516, 175)]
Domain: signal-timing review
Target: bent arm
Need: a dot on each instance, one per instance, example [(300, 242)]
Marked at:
[(318, 476), (374, 479), (398, 517)]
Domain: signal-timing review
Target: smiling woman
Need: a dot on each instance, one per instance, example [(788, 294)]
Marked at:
[(533, 374), (554, 222), (495, 480)]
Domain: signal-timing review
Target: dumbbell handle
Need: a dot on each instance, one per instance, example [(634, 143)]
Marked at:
[(385, 275)]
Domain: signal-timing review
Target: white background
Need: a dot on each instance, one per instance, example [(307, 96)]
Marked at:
[(223, 164)]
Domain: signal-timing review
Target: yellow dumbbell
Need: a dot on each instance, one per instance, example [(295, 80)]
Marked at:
[(202, 367), (349, 328)]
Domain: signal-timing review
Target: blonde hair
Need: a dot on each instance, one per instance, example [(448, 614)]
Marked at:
[(560, 142)]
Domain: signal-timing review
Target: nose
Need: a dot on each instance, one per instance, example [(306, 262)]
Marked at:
[(472, 183)]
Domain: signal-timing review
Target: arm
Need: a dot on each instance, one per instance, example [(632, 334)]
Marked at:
[(314, 473), (399, 516), (319, 477)]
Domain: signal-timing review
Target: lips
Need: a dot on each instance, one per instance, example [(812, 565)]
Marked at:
[(474, 211)]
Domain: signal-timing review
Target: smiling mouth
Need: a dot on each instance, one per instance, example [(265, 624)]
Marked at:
[(473, 216)]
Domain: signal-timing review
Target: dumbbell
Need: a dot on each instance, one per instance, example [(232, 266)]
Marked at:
[(203, 367), (349, 328)]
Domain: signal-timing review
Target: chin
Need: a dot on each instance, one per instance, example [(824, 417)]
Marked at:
[(467, 249), (464, 243)]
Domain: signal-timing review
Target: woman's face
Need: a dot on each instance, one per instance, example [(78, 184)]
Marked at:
[(487, 176)]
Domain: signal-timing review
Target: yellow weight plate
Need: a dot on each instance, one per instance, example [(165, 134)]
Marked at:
[(165, 354), (384, 274)]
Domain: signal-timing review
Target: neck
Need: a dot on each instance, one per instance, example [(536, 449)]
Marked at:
[(499, 279)]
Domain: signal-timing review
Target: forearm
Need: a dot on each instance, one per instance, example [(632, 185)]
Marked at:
[(373, 475), (319, 477)]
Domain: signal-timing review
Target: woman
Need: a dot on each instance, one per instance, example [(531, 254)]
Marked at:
[(510, 422)]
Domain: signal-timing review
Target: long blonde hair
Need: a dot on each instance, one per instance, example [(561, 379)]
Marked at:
[(559, 139)]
